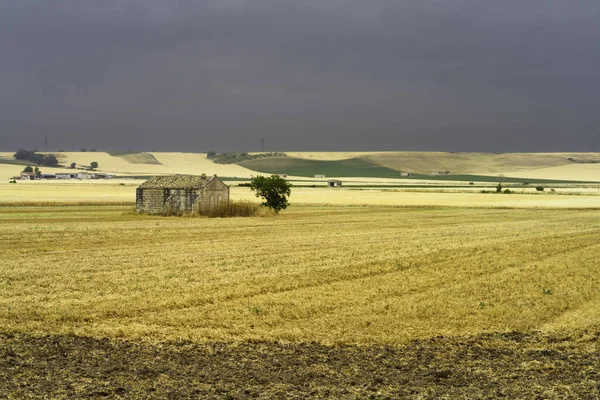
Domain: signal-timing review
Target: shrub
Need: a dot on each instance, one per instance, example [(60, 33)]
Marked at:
[(499, 188), (539, 188), (507, 191)]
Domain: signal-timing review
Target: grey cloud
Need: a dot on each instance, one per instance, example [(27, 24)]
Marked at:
[(335, 75)]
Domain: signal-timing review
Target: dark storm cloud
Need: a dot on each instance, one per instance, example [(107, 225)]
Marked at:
[(329, 74)]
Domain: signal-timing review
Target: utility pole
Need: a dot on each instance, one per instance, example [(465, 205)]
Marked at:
[(46, 143), (262, 145)]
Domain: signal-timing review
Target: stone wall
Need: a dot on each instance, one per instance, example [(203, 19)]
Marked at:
[(212, 195), (181, 201), (166, 201)]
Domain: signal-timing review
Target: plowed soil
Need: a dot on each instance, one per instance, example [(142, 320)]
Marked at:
[(512, 365)]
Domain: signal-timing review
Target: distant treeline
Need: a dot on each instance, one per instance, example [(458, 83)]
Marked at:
[(36, 158), (235, 157)]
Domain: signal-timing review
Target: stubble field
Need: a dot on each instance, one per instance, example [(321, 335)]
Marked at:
[(320, 301)]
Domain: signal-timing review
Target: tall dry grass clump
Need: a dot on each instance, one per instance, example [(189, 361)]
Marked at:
[(232, 208)]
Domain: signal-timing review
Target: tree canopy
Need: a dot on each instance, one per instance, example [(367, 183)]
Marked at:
[(274, 190), (37, 158)]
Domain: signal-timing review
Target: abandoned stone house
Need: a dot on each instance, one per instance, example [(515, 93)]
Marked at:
[(180, 194)]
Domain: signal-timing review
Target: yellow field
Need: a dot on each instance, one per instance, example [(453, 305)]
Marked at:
[(472, 163), (170, 163), (325, 274), (525, 165), (582, 172), (122, 191)]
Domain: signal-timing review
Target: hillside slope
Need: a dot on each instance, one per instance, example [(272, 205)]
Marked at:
[(563, 166), (457, 163), (352, 167), (142, 164)]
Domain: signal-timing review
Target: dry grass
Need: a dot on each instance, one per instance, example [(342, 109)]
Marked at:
[(472, 163), (582, 172), (68, 192), (325, 274), (436, 198), (123, 191)]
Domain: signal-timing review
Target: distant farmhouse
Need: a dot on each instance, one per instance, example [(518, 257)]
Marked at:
[(180, 194), (30, 176), (27, 176), (334, 183)]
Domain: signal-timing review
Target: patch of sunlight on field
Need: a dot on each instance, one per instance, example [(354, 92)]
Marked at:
[(170, 163), (429, 199), (574, 172), (469, 163), (510, 164), (123, 191), (69, 192), (195, 164), (313, 273)]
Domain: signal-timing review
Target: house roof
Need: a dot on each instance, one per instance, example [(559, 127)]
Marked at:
[(176, 182)]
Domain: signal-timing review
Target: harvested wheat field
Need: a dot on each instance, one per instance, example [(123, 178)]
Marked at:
[(122, 191), (318, 302)]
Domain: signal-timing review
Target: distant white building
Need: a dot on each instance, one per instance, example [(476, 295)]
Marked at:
[(84, 175), (27, 176), (319, 176)]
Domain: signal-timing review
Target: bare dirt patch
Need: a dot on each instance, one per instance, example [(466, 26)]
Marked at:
[(514, 365)]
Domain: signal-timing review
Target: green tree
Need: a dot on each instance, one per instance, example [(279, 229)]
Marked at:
[(28, 169), (94, 165), (211, 154), (73, 165), (37, 171), (274, 190), (50, 160)]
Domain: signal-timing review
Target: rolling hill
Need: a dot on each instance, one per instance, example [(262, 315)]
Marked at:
[(558, 166)]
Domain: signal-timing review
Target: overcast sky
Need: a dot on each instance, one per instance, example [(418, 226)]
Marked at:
[(198, 75)]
